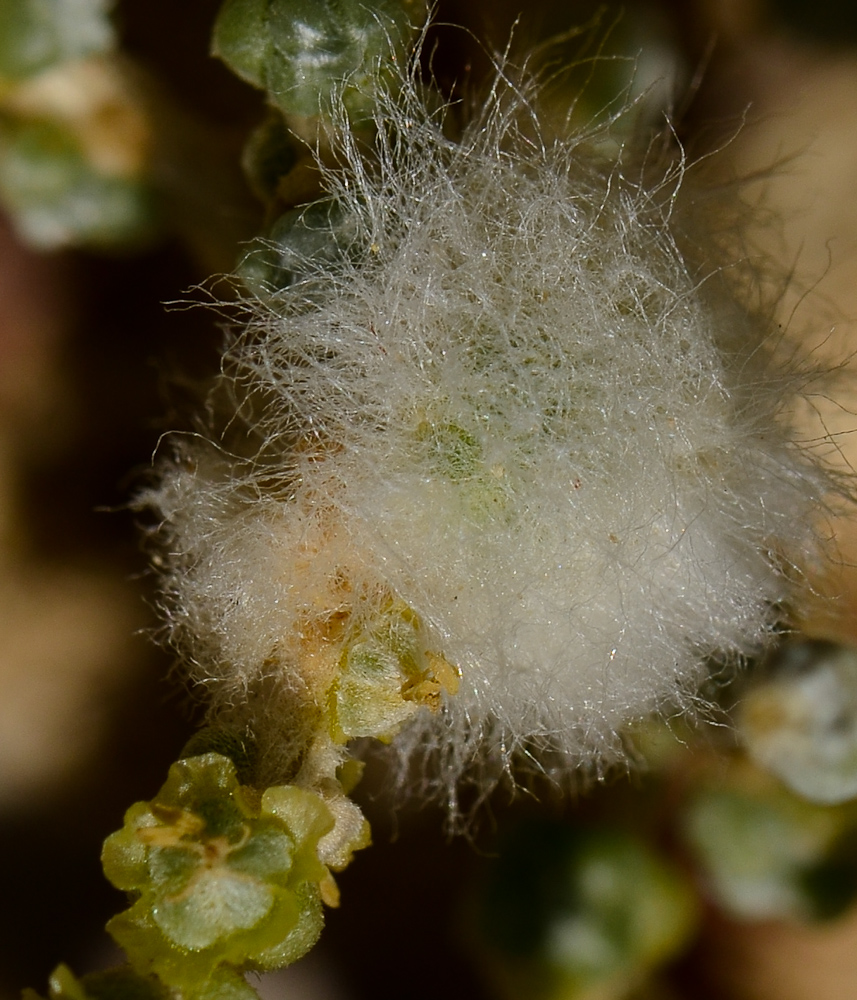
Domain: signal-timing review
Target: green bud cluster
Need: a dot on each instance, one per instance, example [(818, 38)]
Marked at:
[(223, 878)]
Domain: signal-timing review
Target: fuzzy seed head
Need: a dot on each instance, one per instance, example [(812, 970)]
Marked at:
[(496, 393)]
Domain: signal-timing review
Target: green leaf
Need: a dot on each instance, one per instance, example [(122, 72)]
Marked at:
[(268, 156), (378, 671), (302, 51), (302, 242), (236, 744), (301, 937), (241, 38), (151, 951), (308, 818)]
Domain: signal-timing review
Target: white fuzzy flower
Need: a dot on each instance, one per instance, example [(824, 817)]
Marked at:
[(502, 424)]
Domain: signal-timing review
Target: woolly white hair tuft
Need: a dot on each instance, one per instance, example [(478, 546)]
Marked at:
[(494, 388)]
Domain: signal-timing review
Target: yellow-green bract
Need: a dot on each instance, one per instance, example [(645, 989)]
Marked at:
[(221, 876)]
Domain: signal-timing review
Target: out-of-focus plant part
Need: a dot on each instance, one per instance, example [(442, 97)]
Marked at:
[(799, 720), (75, 141), (575, 913), (625, 71), (36, 35), (224, 877), (765, 853), (121, 983), (74, 150), (305, 51)]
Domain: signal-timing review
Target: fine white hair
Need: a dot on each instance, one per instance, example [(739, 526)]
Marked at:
[(495, 385)]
